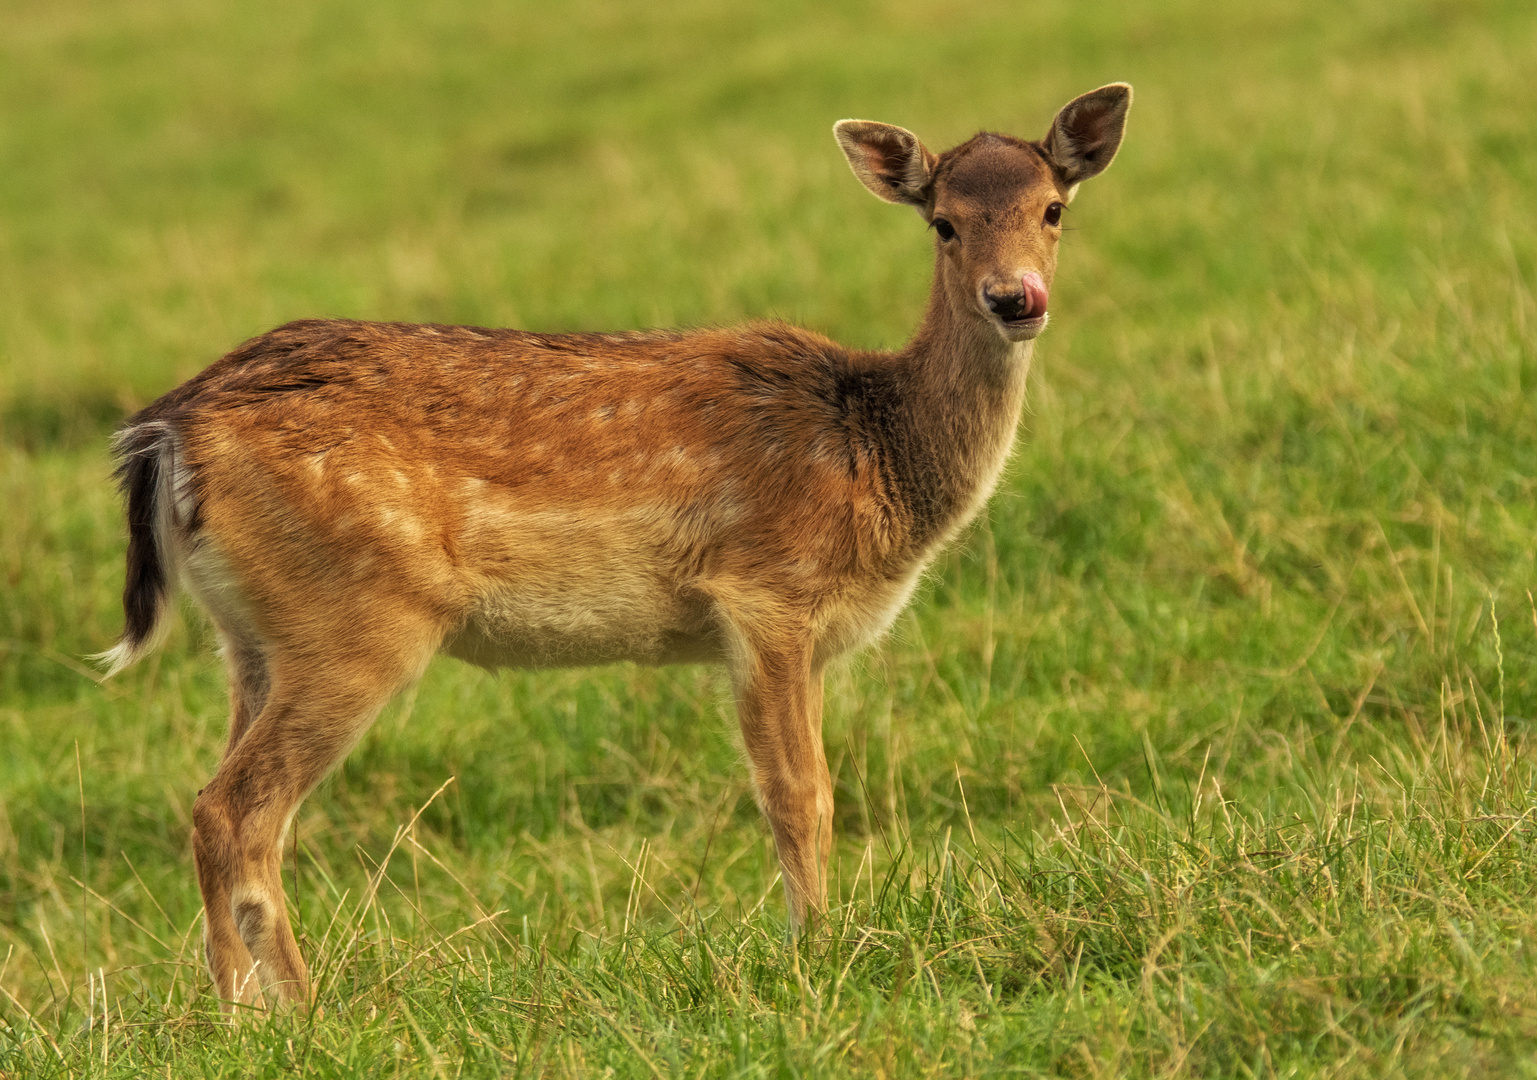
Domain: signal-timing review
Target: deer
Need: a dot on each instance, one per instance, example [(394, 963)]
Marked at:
[(347, 499)]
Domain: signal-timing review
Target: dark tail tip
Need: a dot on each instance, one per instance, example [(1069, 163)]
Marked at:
[(141, 454), (144, 592)]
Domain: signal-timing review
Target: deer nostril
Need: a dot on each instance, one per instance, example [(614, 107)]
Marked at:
[(1005, 305)]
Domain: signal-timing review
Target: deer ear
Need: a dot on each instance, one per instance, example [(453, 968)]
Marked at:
[(1087, 132), (888, 160)]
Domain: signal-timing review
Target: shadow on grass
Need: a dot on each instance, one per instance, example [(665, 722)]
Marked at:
[(77, 421)]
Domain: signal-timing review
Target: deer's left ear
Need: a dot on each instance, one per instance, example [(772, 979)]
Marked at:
[(1087, 132), (888, 160)]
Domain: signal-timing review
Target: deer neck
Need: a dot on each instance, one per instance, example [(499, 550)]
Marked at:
[(967, 387)]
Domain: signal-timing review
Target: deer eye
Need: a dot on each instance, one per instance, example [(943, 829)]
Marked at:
[(1054, 213), (945, 230)]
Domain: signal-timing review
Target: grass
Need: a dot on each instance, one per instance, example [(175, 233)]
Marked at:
[(1206, 754)]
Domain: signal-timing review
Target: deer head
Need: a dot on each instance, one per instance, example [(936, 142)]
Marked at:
[(995, 202)]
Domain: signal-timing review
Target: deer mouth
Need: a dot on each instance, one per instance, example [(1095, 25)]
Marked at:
[(1022, 329)]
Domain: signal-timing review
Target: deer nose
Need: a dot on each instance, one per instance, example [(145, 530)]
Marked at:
[(1023, 298)]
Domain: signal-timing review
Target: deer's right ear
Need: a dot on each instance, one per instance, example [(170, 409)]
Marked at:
[(888, 160)]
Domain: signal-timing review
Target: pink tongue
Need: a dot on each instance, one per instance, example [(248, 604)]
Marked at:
[(1036, 295)]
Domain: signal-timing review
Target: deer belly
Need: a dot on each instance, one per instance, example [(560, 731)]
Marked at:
[(571, 587), (576, 624)]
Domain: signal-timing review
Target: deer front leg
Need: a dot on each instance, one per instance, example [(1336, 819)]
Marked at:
[(779, 707)]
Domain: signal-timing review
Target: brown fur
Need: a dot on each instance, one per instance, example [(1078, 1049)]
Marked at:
[(347, 498)]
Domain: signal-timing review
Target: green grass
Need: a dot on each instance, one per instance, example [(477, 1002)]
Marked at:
[(1206, 754)]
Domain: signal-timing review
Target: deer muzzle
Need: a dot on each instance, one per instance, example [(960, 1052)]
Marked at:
[(1023, 299)]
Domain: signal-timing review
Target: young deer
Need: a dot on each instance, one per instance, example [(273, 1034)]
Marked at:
[(348, 498)]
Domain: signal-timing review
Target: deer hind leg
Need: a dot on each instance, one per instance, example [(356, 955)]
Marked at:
[(779, 707), (313, 714), (250, 681), (225, 952)]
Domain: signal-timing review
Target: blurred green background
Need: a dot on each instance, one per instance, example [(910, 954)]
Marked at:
[(1256, 583)]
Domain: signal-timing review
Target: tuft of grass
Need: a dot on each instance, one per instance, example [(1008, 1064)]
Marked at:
[(1205, 754)]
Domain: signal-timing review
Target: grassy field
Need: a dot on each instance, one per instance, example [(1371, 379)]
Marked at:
[(1207, 753)]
